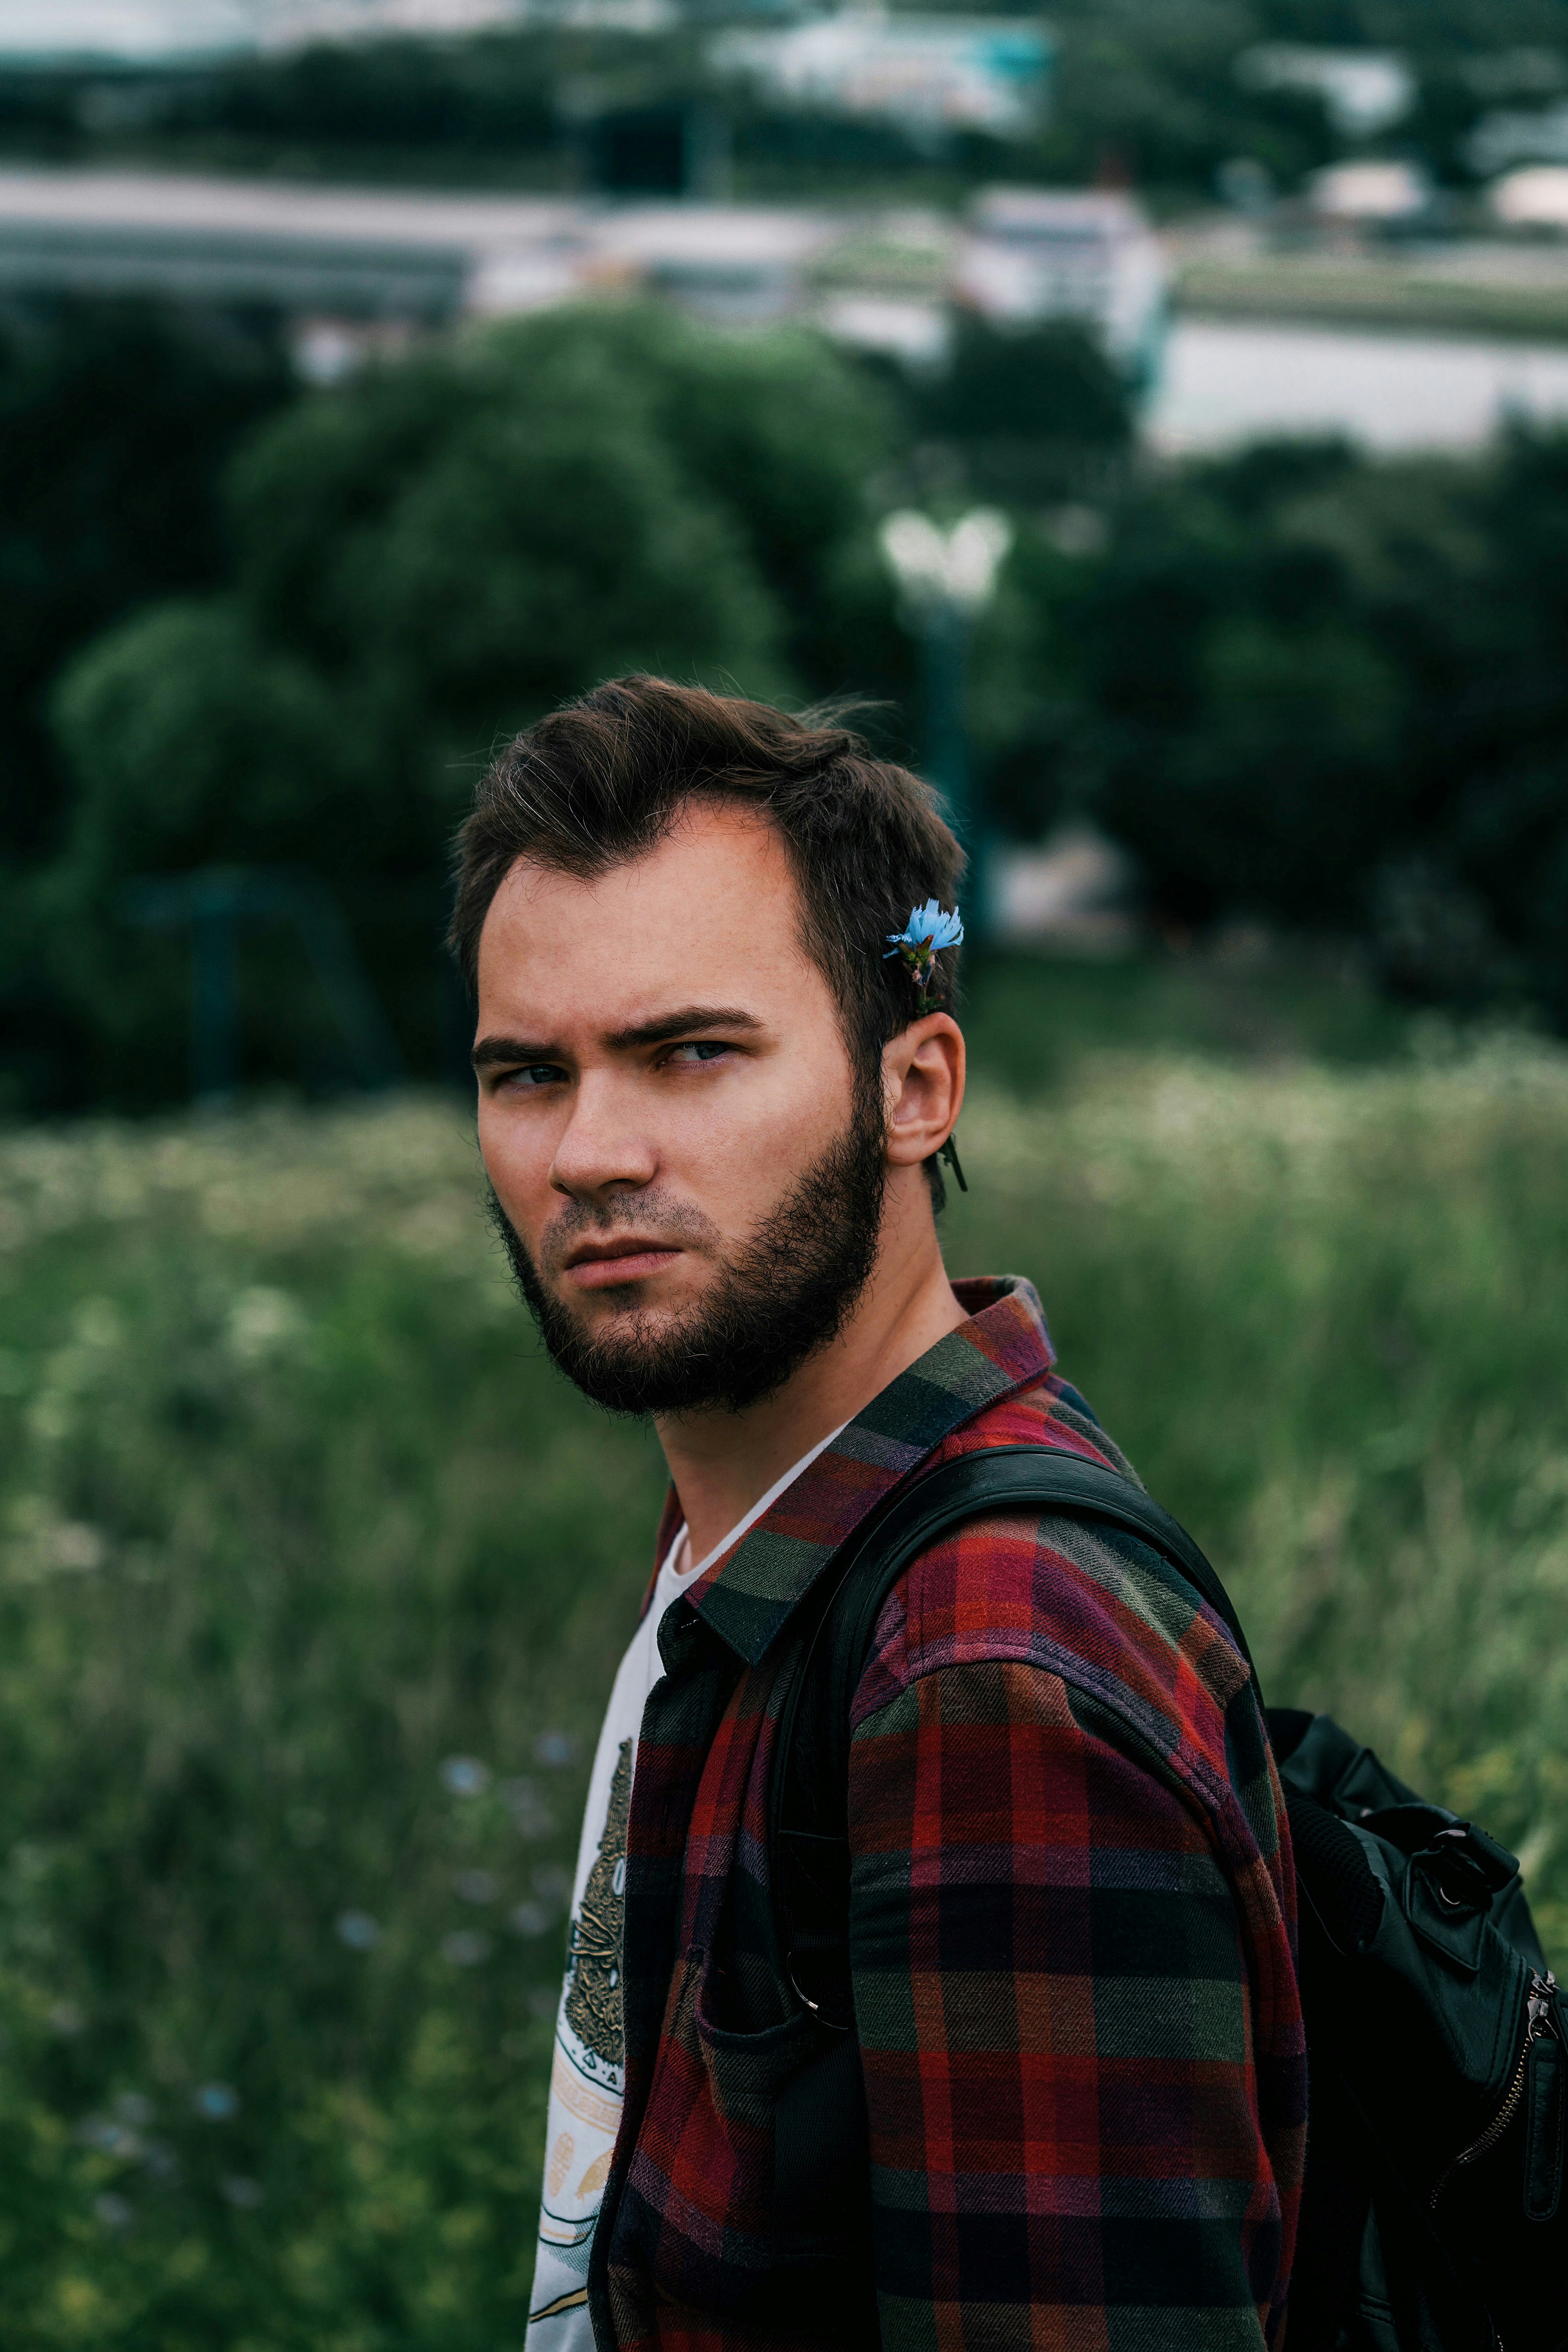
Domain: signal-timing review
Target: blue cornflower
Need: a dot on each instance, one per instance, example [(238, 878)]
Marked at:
[(928, 930), (917, 946)]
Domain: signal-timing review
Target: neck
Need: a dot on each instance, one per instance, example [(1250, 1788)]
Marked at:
[(721, 1463)]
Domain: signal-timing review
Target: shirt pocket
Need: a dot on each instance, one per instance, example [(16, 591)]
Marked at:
[(747, 2198)]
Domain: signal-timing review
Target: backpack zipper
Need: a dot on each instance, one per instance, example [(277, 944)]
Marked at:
[(1542, 1990)]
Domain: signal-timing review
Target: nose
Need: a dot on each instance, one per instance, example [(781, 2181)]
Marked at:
[(604, 1148)]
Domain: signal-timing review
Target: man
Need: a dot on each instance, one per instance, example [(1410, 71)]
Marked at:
[(712, 1095)]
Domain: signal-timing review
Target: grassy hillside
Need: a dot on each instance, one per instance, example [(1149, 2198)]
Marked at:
[(313, 1578)]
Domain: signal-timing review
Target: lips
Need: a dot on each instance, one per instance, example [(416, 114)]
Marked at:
[(598, 1265)]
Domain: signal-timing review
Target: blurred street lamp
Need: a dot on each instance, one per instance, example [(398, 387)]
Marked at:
[(946, 578)]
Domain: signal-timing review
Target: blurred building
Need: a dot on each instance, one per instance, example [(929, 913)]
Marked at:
[(292, 24), (175, 32), (1536, 135), (1032, 254), (940, 74), (1074, 895), (1364, 90), (1371, 195), (124, 32), (1535, 198), (732, 264), (929, 75)]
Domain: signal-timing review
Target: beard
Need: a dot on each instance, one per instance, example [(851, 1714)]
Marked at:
[(775, 1300)]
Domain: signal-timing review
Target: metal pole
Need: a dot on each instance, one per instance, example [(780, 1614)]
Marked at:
[(948, 636), (947, 746), (215, 997), (329, 943)]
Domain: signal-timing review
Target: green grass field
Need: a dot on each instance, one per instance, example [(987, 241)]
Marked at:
[(313, 1578)]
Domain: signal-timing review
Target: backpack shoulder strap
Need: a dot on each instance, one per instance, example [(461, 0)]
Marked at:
[(808, 1797)]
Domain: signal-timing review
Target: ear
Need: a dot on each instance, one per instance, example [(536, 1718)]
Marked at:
[(922, 1084)]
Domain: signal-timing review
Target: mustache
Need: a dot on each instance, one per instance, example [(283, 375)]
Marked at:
[(654, 1215)]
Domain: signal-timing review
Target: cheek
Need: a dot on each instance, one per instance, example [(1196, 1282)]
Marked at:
[(743, 1150), (517, 1155)]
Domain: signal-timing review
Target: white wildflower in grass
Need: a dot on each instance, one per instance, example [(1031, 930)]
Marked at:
[(75, 1546), (261, 1320), (466, 1948), (99, 1323), (358, 1930), (110, 2138), (35, 1543), (531, 1816)]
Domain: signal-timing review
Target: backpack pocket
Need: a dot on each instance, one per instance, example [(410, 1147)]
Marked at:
[(1499, 2197), (1437, 2032)]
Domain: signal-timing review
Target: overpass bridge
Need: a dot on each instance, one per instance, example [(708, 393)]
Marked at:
[(373, 255)]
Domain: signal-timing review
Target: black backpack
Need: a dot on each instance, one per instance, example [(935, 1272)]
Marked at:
[(1433, 2219)]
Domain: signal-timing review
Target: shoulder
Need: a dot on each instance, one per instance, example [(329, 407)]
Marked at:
[(1049, 1411), (1078, 1600)]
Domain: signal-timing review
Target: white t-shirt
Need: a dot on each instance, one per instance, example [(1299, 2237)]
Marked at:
[(588, 2079)]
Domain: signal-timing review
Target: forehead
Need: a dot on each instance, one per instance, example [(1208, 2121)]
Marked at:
[(711, 914)]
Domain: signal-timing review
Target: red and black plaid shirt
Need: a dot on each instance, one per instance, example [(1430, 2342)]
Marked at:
[(1072, 1923)]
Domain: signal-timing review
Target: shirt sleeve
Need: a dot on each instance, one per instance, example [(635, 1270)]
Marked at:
[(1052, 1999)]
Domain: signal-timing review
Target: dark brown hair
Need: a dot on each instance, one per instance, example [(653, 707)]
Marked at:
[(601, 780)]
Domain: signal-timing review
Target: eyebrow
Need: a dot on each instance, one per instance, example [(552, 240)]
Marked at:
[(493, 1051), (682, 1024)]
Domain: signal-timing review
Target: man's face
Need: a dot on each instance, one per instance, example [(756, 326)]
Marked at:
[(690, 1182)]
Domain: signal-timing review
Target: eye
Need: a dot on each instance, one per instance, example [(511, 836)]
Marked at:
[(688, 1055), (536, 1073)]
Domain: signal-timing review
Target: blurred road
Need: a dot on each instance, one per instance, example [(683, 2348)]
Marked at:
[(1229, 381)]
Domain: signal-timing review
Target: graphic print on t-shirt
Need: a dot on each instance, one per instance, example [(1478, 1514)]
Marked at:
[(592, 2004), (586, 2084)]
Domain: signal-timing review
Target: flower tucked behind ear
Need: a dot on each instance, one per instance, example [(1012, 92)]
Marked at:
[(923, 936)]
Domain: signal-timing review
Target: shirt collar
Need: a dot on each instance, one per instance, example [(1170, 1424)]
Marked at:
[(749, 1595)]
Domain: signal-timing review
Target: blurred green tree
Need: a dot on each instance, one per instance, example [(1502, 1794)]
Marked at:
[(426, 559), (1051, 381), (1496, 735), (1331, 692), (1246, 709), (1146, 92), (116, 420), (1037, 412), (492, 92)]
